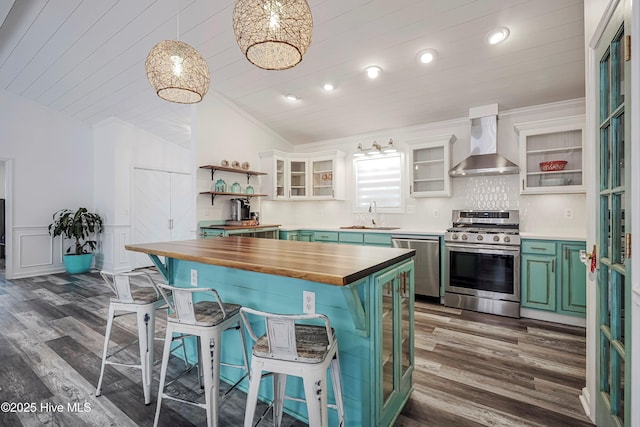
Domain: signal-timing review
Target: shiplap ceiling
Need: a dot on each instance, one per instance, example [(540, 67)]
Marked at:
[(86, 58)]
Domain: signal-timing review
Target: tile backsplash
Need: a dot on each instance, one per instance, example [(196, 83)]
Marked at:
[(487, 192)]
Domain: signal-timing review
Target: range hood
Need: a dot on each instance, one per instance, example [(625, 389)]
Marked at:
[(484, 158)]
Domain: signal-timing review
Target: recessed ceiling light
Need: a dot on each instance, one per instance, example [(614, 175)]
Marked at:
[(328, 87), (426, 56), (498, 36), (373, 71), (291, 97)]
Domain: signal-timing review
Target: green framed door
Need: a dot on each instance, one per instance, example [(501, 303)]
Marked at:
[(613, 298)]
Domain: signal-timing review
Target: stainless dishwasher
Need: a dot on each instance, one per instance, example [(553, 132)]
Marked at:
[(426, 261)]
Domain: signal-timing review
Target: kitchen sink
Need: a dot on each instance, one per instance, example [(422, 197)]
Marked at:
[(366, 227)]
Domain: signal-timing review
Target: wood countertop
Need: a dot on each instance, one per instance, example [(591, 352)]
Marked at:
[(318, 262)]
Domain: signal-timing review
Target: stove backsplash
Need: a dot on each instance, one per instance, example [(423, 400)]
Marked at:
[(487, 192)]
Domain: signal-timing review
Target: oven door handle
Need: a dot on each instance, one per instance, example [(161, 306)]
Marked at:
[(480, 248)]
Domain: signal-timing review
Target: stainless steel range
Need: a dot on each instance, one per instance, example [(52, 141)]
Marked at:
[(482, 255)]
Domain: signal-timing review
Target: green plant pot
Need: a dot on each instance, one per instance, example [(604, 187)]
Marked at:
[(76, 264)]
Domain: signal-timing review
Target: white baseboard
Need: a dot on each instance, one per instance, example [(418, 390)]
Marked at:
[(585, 399), (552, 317)]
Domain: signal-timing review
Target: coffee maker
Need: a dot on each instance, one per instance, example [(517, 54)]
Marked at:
[(240, 210)]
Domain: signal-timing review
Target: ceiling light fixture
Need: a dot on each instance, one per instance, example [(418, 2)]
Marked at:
[(373, 71), (177, 71), (328, 87), (426, 56), (498, 36), (375, 149), (273, 34), (291, 97)]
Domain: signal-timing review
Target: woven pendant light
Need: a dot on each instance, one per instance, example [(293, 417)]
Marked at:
[(273, 34), (177, 72)]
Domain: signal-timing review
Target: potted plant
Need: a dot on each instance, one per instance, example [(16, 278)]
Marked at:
[(77, 226)]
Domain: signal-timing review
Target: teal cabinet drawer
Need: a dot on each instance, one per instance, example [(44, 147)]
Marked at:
[(352, 238), (325, 236), (377, 239), (539, 247)]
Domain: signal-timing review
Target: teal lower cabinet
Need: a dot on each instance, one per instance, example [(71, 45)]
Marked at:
[(552, 276), (574, 276), (343, 238), (377, 239), (325, 236), (538, 282), (350, 238)]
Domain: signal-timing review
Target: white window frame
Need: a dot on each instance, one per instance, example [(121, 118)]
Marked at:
[(360, 206)]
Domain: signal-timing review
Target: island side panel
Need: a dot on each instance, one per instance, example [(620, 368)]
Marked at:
[(284, 295)]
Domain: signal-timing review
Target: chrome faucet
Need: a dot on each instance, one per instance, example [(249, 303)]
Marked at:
[(373, 208)]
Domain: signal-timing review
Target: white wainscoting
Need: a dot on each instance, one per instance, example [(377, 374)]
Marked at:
[(34, 252), (113, 257)]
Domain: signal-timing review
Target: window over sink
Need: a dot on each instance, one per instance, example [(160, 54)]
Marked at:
[(379, 179)]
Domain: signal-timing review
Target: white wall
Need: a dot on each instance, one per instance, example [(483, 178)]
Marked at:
[(540, 214), (52, 157), (221, 131), (119, 148)]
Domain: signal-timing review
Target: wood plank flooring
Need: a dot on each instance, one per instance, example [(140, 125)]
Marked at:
[(472, 369)]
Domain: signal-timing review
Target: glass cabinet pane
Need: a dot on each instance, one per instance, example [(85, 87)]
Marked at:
[(388, 371), (617, 151), (604, 88), (405, 313), (322, 176), (617, 72), (298, 178), (280, 175), (604, 158)]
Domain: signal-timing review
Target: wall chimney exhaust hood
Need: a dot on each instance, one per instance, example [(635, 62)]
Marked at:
[(484, 158)]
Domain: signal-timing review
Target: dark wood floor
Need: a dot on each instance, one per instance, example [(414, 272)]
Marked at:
[(471, 369)]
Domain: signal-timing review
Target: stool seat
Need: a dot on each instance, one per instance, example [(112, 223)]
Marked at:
[(207, 313), (141, 296), (312, 344)]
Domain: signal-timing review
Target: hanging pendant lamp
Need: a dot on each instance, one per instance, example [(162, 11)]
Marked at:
[(273, 34), (177, 71)]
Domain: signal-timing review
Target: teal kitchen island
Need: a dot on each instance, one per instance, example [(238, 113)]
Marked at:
[(366, 292)]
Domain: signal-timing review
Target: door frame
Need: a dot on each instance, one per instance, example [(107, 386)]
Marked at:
[(8, 216), (591, 140)]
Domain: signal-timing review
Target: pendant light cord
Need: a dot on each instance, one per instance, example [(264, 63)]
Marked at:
[(178, 20)]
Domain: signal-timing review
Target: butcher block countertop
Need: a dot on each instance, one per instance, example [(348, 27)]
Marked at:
[(240, 227), (332, 264)]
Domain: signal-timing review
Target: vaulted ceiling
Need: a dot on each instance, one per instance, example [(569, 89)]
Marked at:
[(86, 59)]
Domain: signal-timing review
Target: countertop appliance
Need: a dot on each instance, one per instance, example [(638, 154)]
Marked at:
[(482, 259), (240, 210), (426, 262)]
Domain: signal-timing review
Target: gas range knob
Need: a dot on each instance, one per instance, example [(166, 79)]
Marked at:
[(480, 237), (464, 237), (507, 239), (496, 238), (454, 236)]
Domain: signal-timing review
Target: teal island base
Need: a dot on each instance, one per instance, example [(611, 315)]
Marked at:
[(372, 316)]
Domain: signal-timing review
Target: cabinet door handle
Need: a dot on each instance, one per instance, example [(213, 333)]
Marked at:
[(553, 265), (566, 253), (537, 248), (523, 185)]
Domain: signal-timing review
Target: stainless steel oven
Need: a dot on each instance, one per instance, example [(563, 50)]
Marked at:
[(482, 259)]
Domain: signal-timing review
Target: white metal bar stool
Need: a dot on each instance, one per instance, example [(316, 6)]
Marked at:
[(143, 301), (206, 320), (302, 350)]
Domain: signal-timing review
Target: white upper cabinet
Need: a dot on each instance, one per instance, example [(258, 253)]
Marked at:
[(429, 163), (304, 176), (551, 156)]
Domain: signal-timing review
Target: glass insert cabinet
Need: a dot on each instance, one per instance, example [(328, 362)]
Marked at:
[(395, 332), (429, 164), (551, 156)]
